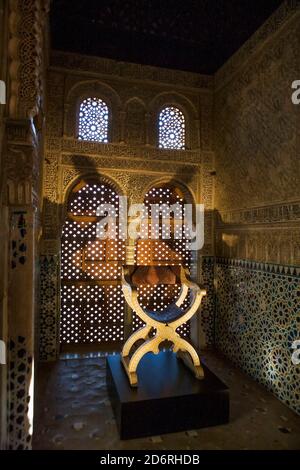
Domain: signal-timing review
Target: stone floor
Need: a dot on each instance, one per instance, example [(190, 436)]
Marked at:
[(73, 412)]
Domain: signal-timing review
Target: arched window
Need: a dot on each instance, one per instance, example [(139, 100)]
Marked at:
[(93, 120), (171, 128), (162, 256), (92, 303)]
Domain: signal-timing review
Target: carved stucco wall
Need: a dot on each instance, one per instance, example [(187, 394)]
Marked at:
[(258, 205), (257, 138), (135, 94)]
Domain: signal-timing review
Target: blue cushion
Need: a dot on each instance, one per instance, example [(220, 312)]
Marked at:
[(169, 314)]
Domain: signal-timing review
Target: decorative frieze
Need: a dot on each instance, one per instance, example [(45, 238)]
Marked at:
[(271, 244), (139, 165), (260, 266), (121, 150), (101, 66), (277, 213)]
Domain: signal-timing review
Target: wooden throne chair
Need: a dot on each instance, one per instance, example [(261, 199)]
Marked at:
[(164, 322)]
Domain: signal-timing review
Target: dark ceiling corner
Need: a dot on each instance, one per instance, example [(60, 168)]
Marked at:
[(193, 35)]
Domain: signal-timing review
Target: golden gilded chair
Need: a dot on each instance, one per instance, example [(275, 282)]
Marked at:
[(165, 322)]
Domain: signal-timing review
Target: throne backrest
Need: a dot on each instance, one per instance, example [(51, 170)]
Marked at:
[(154, 275)]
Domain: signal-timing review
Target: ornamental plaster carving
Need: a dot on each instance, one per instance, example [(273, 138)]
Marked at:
[(124, 151), (51, 176), (26, 28), (55, 104), (271, 245), (206, 122), (272, 26), (287, 212), (21, 166), (135, 122), (101, 66), (257, 127), (137, 165)]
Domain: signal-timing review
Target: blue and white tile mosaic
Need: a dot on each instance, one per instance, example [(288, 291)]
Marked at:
[(257, 321)]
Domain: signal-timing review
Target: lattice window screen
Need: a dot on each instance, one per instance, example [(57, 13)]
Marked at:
[(171, 127), (162, 252), (92, 306), (93, 120)]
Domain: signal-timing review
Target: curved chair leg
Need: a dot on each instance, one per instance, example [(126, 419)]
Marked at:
[(189, 355), (141, 333), (151, 345)]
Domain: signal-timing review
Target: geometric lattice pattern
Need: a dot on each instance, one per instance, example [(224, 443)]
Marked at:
[(92, 303), (92, 313), (257, 321), (93, 120), (171, 127), (49, 306), (169, 252)]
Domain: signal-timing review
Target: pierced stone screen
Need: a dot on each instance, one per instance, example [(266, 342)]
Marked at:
[(171, 252), (92, 303), (171, 126), (93, 120)]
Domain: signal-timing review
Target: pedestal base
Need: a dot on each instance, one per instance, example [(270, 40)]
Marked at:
[(168, 398)]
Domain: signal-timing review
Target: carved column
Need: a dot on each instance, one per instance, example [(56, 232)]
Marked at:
[(23, 156), (21, 172)]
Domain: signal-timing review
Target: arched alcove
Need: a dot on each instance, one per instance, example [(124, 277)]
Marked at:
[(92, 304), (159, 256)]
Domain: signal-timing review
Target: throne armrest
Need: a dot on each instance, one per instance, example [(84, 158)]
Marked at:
[(131, 295), (129, 289), (186, 280), (197, 293)]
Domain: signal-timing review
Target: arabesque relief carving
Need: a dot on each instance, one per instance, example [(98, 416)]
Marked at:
[(271, 245), (130, 71), (257, 127), (257, 138), (135, 123), (26, 43)]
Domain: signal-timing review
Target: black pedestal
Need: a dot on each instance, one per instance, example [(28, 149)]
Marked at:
[(167, 399)]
